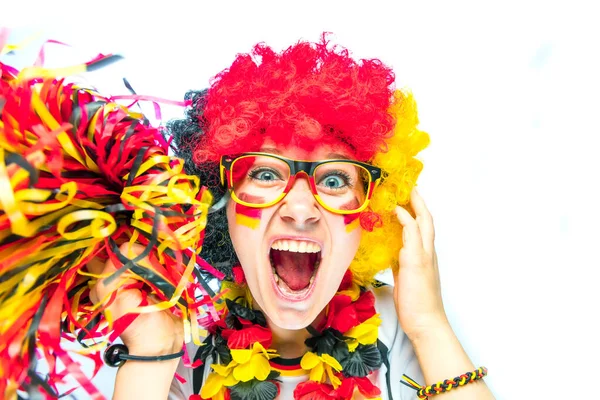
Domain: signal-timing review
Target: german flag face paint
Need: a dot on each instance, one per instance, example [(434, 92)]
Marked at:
[(352, 221), (247, 216)]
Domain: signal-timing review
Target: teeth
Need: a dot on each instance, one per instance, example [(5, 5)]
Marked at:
[(292, 246), (296, 246)]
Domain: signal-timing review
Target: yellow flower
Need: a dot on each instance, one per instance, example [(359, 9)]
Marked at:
[(218, 380), (252, 363), (365, 333), (321, 368)]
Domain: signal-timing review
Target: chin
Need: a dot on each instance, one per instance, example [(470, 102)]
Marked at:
[(291, 316), (289, 320)]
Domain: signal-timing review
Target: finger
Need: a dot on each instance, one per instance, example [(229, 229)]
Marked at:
[(411, 235), (95, 266), (424, 220), (436, 267), (127, 298), (130, 251)]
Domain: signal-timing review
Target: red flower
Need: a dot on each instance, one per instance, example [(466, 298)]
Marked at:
[(335, 318), (238, 275), (365, 306), (311, 390), (364, 385), (243, 338), (344, 315), (213, 326), (370, 220), (226, 396), (346, 281)]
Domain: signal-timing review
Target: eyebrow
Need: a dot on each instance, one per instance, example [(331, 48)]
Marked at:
[(329, 156), (337, 155), (272, 150)]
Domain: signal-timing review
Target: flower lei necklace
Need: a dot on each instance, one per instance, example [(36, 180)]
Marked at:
[(342, 350)]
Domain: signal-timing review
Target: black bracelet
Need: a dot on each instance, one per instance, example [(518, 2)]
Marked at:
[(115, 355)]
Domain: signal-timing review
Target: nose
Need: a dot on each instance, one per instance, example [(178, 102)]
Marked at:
[(299, 205)]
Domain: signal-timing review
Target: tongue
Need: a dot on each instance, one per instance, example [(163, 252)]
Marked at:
[(294, 268)]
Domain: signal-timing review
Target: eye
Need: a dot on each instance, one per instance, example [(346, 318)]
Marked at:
[(264, 174), (333, 182)]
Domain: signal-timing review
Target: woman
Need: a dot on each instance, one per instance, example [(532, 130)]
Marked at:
[(309, 155)]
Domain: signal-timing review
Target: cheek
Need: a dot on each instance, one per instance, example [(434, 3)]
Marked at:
[(352, 222), (353, 236), (246, 229), (243, 222), (346, 234), (248, 216)]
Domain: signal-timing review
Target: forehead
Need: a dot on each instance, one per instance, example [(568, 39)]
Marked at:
[(318, 151)]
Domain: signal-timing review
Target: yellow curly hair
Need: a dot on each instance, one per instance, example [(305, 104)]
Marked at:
[(380, 247)]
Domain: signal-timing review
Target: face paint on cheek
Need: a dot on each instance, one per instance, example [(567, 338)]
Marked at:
[(352, 221), (247, 216)]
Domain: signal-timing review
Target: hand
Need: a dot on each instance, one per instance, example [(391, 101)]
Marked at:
[(150, 334), (417, 289)]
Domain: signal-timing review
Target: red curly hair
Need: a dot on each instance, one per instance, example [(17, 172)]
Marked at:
[(310, 93)]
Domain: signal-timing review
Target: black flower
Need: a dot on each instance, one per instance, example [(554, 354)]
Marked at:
[(254, 390), (240, 311), (216, 347), (326, 342), (362, 361)]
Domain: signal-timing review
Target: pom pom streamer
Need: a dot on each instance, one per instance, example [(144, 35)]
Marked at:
[(80, 175)]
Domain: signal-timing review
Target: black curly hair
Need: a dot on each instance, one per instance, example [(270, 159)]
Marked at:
[(186, 133)]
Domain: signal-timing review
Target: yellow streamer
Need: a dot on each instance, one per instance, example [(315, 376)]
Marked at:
[(97, 228)]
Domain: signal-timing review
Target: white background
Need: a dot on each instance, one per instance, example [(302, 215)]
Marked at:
[(509, 92)]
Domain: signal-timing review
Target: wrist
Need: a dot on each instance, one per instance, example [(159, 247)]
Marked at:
[(117, 354), (427, 328), (154, 350), (440, 354), (432, 334), (144, 380), (148, 343)]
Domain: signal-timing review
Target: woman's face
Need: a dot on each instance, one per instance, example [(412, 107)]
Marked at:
[(294, 253)]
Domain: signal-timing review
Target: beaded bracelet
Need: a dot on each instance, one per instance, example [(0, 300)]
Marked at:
[(423, 392), (115, 355)]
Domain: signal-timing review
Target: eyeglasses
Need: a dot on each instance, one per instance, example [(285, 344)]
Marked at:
[(261, 180)]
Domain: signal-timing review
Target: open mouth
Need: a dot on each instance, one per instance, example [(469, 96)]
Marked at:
[(294, 264)]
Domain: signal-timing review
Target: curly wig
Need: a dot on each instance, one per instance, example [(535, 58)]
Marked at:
[(309, 94)]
